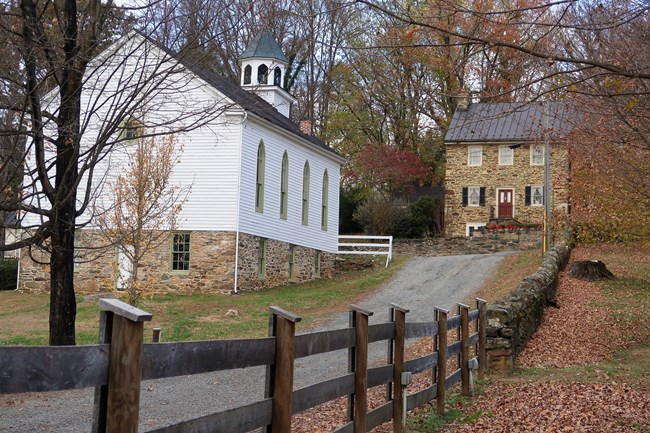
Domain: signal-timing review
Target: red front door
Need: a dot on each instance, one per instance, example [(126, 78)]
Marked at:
[(505, 199)]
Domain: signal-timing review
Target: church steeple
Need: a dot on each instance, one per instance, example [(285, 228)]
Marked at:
[(263, 65)]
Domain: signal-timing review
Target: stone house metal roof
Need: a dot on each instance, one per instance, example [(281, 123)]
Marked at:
[(510, 121)]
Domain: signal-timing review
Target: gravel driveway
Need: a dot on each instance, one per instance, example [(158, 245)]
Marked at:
[(423, 283)]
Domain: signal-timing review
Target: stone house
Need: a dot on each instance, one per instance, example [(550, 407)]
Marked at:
[(495, 164), (263, 207)]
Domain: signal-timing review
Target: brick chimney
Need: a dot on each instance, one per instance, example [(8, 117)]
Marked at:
[(306, 127), (463, 100)]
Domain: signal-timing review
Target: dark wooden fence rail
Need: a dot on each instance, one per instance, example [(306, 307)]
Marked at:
[(117, 365)]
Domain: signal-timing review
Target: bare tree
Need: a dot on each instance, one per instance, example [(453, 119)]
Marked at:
[(143, 206), (75, 98)]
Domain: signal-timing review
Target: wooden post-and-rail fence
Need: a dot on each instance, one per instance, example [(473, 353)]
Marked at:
[(117, 365)]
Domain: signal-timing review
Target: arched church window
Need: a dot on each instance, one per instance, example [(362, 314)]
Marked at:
[(262, 74), (248, 71), (277, 76)]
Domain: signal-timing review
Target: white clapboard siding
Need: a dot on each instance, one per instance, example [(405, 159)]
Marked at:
[(218, 159), (269, 224), (180, 101)]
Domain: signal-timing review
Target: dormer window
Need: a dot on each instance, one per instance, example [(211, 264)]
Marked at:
[(262, 74), (277, 76), (248, 71)]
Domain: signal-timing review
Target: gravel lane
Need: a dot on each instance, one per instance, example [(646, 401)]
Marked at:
[(423, 283)]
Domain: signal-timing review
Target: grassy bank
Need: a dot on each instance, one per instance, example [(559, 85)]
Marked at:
[(24, 317)]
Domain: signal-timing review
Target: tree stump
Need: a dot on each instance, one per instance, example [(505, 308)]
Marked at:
[(589, 270)]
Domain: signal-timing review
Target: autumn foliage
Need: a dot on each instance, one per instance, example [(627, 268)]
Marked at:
[(387, 168)]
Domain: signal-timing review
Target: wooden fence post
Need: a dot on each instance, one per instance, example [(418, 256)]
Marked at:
[(155, 336), (281, 379), (122, 409), (101, 392), (481, 304), (398, 316), (358, 363), (464, 350), (441, 374)]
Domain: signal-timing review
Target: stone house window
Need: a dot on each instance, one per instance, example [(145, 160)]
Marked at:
[(324, 201), (292, 262), (505, 155), (317, 260), (534, 195), (470, 228), (261, 259), (284, 186), (474, 156), (536, 154), (259, 178), (180, 259), (474, 196), (305, 194)]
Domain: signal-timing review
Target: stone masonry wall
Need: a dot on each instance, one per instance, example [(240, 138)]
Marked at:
[(480, 243), (277, 263), (493, 176), (212, 264), (513, 320)]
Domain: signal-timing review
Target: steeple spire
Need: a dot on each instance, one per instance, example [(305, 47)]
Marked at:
[(263, 66)]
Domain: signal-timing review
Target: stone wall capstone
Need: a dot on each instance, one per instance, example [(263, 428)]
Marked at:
[(513, 320), (479, 244)]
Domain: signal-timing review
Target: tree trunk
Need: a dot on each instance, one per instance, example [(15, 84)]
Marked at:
[(63, 304), (589, 270)]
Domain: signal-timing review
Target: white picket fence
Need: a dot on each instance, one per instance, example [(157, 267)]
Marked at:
[(366, 245)]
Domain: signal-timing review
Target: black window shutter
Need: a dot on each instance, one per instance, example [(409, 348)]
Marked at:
[(465, 196), (481, 198), (528, 196)]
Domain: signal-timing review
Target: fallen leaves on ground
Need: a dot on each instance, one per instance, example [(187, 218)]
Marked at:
[(581, 332), (559, 407)]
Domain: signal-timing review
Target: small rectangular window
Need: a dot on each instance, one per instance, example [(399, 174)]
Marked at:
[(317, 260), (292, 262), (474, 155), (131, 129), (535, 195), (181, 252), (261, 259), (77, 251), (473, 196), (536, 154), (505, 155)]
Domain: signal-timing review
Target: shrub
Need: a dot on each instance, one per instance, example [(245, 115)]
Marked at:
[(8, 274), (422, 217), (378, 215)]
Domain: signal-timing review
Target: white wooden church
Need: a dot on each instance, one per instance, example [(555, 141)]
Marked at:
[(264, 200)]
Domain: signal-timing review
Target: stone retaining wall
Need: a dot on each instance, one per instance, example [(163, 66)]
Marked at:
[(513, 320), (478, 244)]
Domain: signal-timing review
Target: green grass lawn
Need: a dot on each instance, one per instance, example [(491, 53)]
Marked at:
[(24, 317)]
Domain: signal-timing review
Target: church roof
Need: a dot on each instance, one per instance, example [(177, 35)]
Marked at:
[(264, 46), (245, 99)]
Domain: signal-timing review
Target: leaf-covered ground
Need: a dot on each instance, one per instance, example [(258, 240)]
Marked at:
[(571, 381), (572, 378)]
